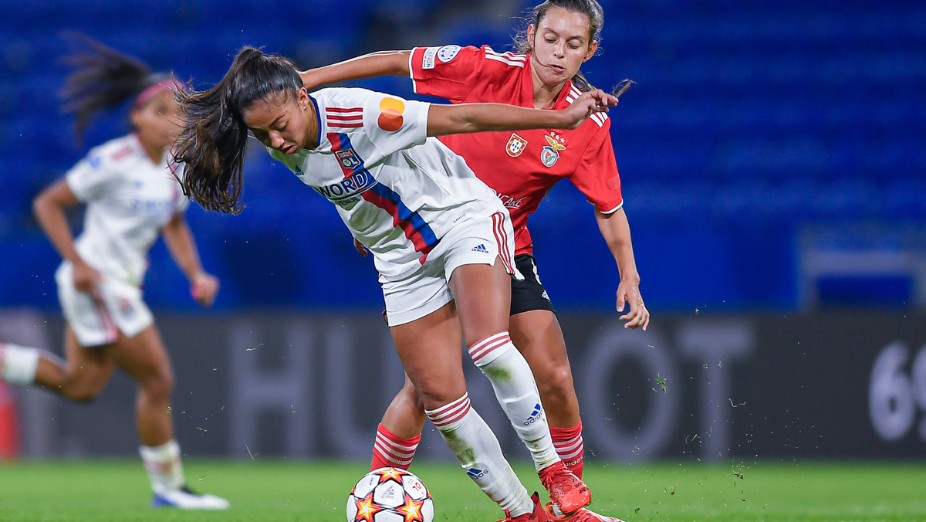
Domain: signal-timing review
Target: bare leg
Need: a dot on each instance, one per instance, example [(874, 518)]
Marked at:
[(405, 415), (538, 336), (144, 358), (82, 377), (399, 431), (430, 352), (482, 294)]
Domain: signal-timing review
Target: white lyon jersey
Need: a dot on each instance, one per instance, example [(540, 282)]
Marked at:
[(129, 199), (398, 191)]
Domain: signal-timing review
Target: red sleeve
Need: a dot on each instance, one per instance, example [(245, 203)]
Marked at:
[(596, 175), (450, 72)]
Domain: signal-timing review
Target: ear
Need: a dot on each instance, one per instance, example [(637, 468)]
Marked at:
[(592, 48), (531, 34), (303, 98)]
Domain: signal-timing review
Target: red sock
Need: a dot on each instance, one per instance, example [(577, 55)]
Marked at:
[(391, 451), (570, 447)]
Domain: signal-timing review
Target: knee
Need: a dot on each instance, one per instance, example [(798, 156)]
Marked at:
[(555, 383), (433, 395), (410, 396), (85, 396), (158, 386), (80, 391)]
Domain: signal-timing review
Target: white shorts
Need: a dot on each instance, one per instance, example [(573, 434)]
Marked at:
[(480, 240), (97, 318)]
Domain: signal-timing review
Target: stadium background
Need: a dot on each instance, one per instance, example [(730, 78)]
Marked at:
[(774, 172)]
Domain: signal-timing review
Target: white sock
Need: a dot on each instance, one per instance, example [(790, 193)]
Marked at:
[(516, 391), (163, 465), (479, 453), (18, 363)]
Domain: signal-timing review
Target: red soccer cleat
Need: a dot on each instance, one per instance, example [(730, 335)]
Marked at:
[(567, 492), (582, 515), (538, 515)]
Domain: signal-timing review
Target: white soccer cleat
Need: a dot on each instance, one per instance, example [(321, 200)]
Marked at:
[(184, 498)]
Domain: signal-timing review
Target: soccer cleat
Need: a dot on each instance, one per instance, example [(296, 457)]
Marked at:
[(184, 498), (582, 515), (538, 515), (567, 492)]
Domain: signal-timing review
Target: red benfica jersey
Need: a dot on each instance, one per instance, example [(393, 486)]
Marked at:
[(521, 167)]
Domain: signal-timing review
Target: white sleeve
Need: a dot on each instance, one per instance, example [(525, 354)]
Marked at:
[(183, 203), (394, 124), (90, 178)]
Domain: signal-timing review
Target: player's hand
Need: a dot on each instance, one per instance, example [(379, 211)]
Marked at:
[(85, 277), (361, 249), (587, 104), (203, 288), (638, 316)]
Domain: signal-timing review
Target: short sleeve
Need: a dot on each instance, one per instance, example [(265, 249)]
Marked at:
[(450, 72), (90, 178), (597, 176), (394, 124)]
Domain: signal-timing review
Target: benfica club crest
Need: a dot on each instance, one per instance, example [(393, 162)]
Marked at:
[(515, 146), (550, 154)]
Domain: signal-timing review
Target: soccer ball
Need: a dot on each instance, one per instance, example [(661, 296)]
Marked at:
[(390, 495)]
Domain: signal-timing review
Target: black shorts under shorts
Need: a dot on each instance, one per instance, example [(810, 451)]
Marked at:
[(528, 294)]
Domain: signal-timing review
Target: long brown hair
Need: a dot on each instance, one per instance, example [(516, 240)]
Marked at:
[(214, 139), (103, 78), (590, 8)]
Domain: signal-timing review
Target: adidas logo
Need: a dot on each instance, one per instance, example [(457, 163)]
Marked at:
[(481, 248), (475, 473), (536, 415)]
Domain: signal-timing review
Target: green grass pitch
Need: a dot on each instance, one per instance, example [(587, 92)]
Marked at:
[(117, 490)]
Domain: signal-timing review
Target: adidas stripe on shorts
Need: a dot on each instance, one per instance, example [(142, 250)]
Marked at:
[(97, 318), (480, 240)]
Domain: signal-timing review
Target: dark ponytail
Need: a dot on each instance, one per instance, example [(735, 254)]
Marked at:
[(590, 8), (103, 79), (214, 139)]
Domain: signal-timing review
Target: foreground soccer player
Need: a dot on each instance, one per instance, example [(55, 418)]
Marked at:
[(441, 241), (521, 167), (131, 197)]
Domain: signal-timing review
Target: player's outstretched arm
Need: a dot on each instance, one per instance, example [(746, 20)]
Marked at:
[(380, 63), (615, 229), (480, 117)]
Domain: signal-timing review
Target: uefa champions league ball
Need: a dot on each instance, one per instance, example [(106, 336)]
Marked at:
[(390, 495)]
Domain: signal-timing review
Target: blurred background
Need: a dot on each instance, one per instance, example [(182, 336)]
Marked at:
[(773, 162)]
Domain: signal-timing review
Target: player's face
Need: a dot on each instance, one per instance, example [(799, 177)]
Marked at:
[(281, 121), (158, 122), (561, 44)]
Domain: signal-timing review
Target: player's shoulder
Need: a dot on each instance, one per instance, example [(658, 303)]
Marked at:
[(484, 58), (341, 99), (597, 122), (503, 61), (334, 96), (114, 152)]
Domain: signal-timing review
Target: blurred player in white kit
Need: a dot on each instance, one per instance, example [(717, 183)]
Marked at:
[(131, 197)]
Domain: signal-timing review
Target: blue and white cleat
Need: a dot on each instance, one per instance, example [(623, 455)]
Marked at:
[(184, 498)]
